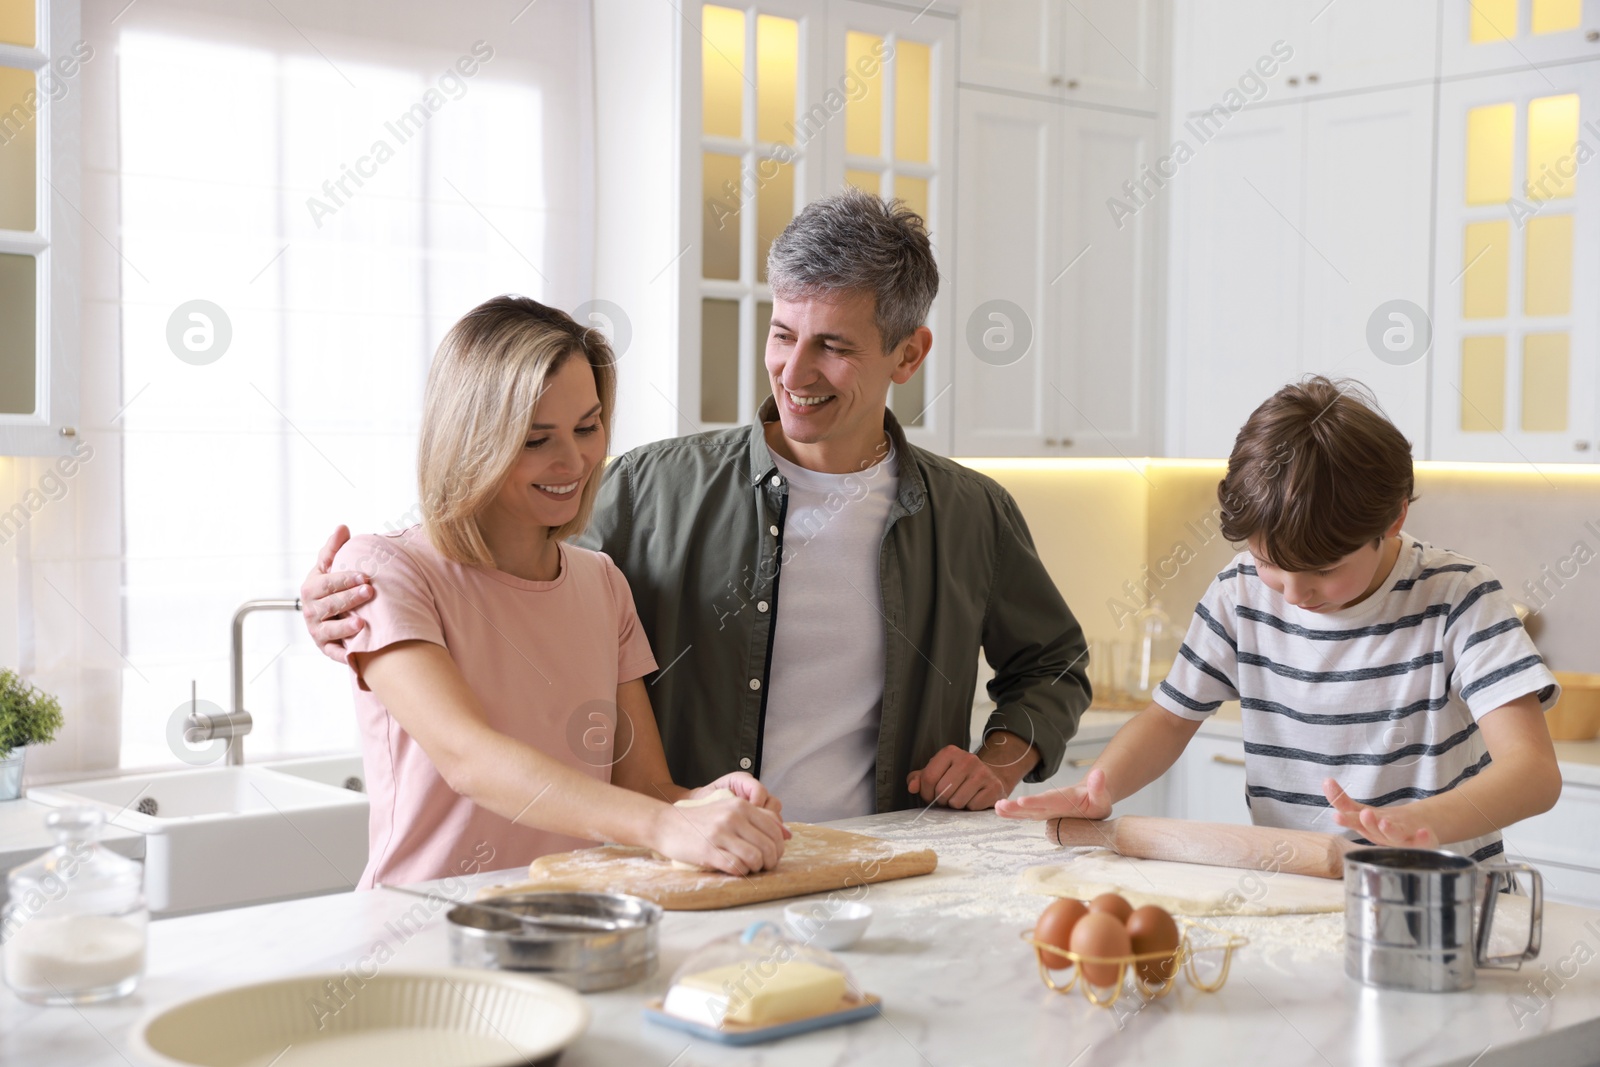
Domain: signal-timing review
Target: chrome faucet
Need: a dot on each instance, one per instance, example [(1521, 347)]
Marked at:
[(233, 725)]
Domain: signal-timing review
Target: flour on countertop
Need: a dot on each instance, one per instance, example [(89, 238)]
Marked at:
[(979, 875)]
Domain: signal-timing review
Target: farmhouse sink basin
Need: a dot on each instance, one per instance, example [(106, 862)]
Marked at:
[(223, 836), (342, 771)]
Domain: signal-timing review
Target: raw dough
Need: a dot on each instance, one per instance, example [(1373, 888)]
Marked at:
[(697, 802), (1185, 888)]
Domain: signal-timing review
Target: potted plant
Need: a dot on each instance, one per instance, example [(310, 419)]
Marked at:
[(28, 716)]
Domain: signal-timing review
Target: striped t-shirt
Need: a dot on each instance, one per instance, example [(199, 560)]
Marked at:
[(1383, 697)]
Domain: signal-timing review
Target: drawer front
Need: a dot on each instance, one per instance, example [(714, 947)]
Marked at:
[(1568, 834), (1213, 782)]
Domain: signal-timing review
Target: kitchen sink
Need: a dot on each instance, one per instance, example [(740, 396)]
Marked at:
[(223, 836), (342, 771)]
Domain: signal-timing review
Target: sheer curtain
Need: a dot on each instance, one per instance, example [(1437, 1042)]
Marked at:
[(292, 202)]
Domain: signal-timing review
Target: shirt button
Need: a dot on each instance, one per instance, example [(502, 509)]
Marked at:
[(773, 530), (776, 480), (755, 683), (744, 764), (761, 605)]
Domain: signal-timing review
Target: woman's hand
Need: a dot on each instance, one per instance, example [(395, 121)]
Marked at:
[(745, 786), (733, 836), (1401, 826)]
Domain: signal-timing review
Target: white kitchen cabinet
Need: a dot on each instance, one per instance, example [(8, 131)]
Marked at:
[(1207, 784), (1107, 52), (1292, 227), (1510, 35), (1277, 50), (1367, 193), (1516, 329), (761, 107), (1054, 292), (1233, 306), (1151, 800), (40, 283), (1564, 844)]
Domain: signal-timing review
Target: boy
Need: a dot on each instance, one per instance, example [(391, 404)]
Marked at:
[(1385, 686)]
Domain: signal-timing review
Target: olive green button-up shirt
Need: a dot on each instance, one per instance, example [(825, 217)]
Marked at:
[(696, 524)]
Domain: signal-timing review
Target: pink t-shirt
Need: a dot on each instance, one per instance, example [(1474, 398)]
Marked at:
[(544, 660)]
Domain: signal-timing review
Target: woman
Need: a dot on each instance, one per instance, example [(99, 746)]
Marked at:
[(495, 659)]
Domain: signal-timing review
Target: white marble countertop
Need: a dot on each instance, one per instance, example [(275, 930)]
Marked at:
[(958, 987)]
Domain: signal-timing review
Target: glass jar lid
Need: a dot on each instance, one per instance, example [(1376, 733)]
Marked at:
[(77, 876)]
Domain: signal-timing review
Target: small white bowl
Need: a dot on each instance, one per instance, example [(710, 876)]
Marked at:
[(825, 925)]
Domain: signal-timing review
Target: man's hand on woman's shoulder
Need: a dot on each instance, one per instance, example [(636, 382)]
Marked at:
[(326, 595)]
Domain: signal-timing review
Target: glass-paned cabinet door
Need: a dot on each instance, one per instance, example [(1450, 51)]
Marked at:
[(754, 160), (1518, 247), (896, 70), (38, 284), (1488, 35)]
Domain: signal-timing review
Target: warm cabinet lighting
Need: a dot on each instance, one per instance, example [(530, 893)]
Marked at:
[(1552, 132), (1544, 382), (777, 75), (1491, 135), (1492, 21), (1547, 289), (1483, 383), (1488, 257), (913, 70), (17, 25), (19, 124), (1553, 16), (722, 71), (863, 115)]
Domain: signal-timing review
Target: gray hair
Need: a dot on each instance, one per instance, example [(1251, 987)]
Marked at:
[(857, 241)]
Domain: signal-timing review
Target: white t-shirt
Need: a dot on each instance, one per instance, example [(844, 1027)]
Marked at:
[(1384, 697), (819, 745)]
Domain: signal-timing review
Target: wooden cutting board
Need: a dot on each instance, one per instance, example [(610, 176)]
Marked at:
[(815, 860)]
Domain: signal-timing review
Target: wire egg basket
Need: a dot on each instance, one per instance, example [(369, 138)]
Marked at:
[(1204, 955)]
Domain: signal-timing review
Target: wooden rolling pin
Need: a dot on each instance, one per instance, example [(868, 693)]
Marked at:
[(1217, 844)]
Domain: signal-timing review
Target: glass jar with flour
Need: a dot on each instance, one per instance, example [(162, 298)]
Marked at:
[(75, 922)]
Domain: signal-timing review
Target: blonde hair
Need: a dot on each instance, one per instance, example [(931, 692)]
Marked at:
[(490, 371)]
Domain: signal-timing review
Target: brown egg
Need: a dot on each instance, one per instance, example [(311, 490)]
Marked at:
[(1055, 928), (1101, 934), (1112, 904), (1151, 929)]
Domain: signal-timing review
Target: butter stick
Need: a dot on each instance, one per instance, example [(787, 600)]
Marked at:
[(742, 993)]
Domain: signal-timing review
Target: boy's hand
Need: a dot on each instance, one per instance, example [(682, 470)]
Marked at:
[(1089, 799), (1397, 827)]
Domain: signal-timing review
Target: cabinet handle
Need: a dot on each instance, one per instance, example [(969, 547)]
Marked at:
[(1086, 761), (1312, 79), (1072, 83), (1056, 80), (1050, 442), (1581, 446), (1227, 761), (1293, 82), (1592, 36), (1066, 442)]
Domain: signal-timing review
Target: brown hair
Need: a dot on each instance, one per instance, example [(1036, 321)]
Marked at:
[(489, 372), (1316, 472)]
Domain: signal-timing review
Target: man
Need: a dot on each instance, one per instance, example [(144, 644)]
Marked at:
[(893, 566)]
